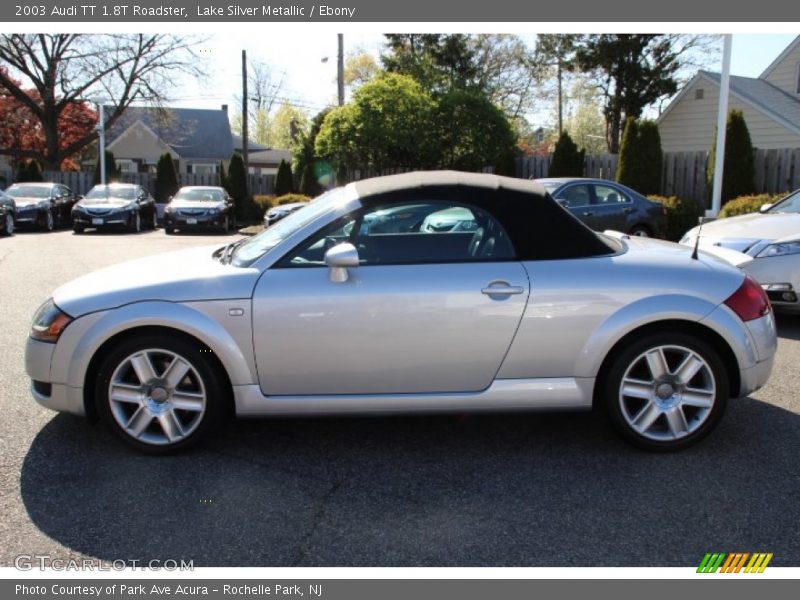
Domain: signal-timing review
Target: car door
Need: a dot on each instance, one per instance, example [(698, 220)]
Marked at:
[(577, 198), (422, 313), (147, 204), (611, 207)]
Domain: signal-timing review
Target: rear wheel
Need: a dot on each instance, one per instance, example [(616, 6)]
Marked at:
[(8, 226), (226, 225), (77, 227), (48, 222), (640, 231), (136, 222), (160, 394), (666, 391)]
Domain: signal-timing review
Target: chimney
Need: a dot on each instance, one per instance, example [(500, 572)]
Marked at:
[(225, 108)]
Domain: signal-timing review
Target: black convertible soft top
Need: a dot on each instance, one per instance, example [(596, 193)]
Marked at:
[(539, 227)]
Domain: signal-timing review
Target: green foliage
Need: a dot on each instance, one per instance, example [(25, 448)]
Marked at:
[(438, 62), (166, 178), (315, 172), (112, 172), (223, 178), (284, 181), (682, 215), (264, 202), (567, 160), (738, 173), (246, 210), (747, 204), (640, 157), (387, 124), (290, 199), (29, 171)]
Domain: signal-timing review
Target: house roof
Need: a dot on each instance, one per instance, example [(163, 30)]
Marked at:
[(251, 146), (190, 132), (774, 102), (269, 156), (781, 56)]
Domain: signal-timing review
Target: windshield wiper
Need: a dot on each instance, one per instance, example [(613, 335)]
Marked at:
[(226, 254)]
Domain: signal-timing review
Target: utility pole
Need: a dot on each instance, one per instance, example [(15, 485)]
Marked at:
[(340, 70), (245, 152), (560, 101), (101, 132), (722, 119)]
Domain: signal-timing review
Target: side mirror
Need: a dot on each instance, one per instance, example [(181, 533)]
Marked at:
[(339, 258), (765, 207)]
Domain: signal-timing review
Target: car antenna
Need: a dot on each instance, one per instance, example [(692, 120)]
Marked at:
[(697, 239)]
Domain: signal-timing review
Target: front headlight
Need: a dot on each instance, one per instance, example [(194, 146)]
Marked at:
[(168, 209), (780, 249), (43, 204), (49, 322)]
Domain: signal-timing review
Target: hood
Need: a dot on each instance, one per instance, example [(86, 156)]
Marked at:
[(110, 202), (182, 276), (739, 233), (23, 201), (196, 204)]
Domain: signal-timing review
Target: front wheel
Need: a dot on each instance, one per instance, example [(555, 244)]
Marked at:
[(136, 222), (666, 391), (48, 221), (8, 227), (160, 394), (640, 231)]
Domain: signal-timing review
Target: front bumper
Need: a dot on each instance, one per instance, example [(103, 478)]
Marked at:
[(55, 396), (109, 220), (780, 278), (201, 222), (29, 216)]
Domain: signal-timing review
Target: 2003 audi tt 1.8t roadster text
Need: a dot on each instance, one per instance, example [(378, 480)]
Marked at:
[(351, 306)]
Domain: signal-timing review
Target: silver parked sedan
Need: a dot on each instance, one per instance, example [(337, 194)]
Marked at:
[(321, 314)]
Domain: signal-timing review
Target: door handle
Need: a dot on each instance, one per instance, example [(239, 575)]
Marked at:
[(627, 211), (587, 213), (501, 288)]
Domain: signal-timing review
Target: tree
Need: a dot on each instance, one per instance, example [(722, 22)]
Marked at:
[(628, 172), (438, 62), (506, 72), (651, 158), (285, 126), (315, 172), (112, 172), (284, 182), (633, 71), (166, 178), (471, 133), (67, 69), (237, 187), (584, 116), (555, 56), (29, 171), (359, 69), (386, 124), (567, 160), (738, 174), (223, 178)]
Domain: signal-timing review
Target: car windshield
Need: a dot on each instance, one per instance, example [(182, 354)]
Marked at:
[(114, 191), (199, 194), (258, 245), (28, 191), (790, 204)]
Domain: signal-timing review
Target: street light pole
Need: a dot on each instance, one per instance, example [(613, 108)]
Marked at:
[(722, 118), (101, 132), (340, 70)]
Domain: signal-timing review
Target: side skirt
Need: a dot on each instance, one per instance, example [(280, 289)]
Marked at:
[(565, 393)]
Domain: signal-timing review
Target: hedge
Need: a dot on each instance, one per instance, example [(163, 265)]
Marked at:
[(747, 204), (291, 199), (264, 201), (682, 215)]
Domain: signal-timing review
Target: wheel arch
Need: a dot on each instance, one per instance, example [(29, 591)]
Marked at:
[(693, 328)]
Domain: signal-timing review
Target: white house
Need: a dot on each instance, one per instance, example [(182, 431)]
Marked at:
[(770, 104)]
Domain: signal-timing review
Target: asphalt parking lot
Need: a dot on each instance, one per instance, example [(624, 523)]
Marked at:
[(499, 490)]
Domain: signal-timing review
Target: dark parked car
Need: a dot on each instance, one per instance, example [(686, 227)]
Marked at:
[(196, 207), (277, 213), (43, 205), (8, 213), (603, 204), (115, 205)]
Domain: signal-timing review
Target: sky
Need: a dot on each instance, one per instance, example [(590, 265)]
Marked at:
[(310, 83)]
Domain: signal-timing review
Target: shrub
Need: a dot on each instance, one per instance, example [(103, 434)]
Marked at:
[(738, 175), (246, 210), (264, 202), (682, 215), (166, 178), (640, 157), (627, 165), (284, 181), (112, 173), (747, 204), (567, 159), (290, 199), (29, 171)]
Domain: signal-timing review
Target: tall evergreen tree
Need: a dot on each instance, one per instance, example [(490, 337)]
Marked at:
[(567, 160), (237, 188), (651, 158), (628, 172), (166, 178), (112, 172), (284, 181), (739, 171)]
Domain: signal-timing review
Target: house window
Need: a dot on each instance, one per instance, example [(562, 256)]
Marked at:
[(698, 93), (126, 166), (204, 168)]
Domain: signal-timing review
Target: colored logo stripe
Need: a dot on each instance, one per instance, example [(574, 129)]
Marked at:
[(734, 562)]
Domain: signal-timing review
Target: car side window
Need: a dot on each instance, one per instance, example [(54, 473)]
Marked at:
[(410, 233), (574, 196), (607, 195)]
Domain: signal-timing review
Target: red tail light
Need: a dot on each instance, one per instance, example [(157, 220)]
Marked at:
[(749, 301)]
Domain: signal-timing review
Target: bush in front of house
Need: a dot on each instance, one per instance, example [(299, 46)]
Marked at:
[(290, 199), (166, 178), (682, 215), (29, 171), (640, 157), (739, 171), (284, 181), (567, 160), (246, 209), (264, 202), (744, 205)]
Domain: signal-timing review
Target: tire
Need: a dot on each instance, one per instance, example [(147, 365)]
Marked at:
[(640, 231), (77, 228), (8, 226), (136, 224), (168, 230), (226, 227), (154, 221), (48, 223), (666, 391), (136, 398)]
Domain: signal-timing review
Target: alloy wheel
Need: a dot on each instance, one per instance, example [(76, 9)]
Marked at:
[(667, 393), (157, 397), (9, 224)]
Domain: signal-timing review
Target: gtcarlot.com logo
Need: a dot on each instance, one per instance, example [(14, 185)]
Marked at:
[(735, 562)]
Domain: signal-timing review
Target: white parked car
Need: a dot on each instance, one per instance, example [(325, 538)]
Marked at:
[(765, 244)]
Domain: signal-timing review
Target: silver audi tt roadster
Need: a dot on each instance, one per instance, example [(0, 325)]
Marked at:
[(351, 306)]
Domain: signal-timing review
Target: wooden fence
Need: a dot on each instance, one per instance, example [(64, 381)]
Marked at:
[(684, 173), (82, 182)]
